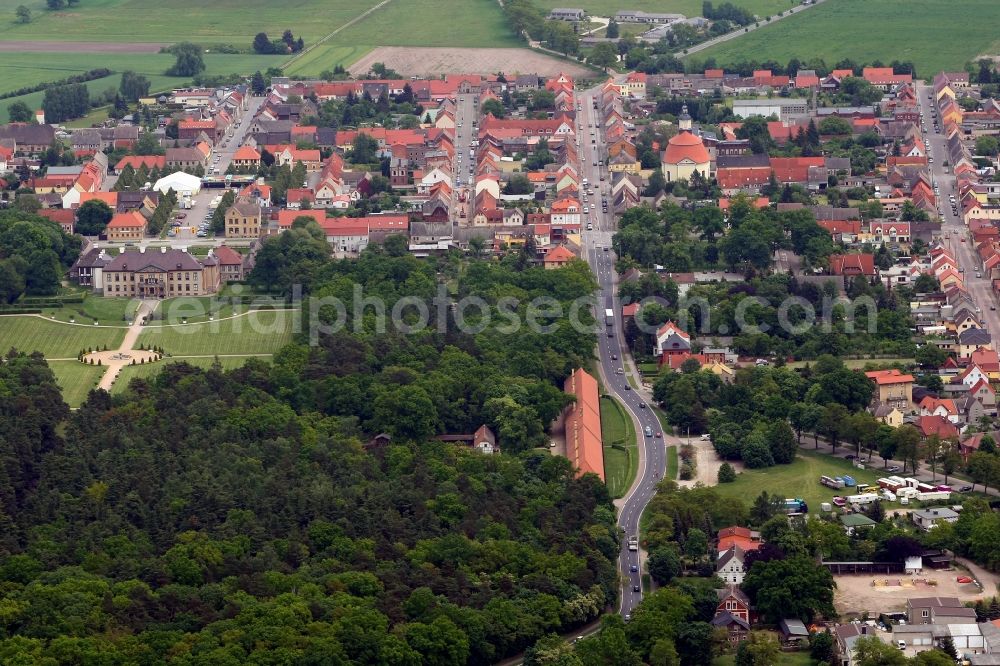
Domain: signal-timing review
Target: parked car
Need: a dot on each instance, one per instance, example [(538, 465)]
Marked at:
[(892, 469), (965, 489), (181, 216)]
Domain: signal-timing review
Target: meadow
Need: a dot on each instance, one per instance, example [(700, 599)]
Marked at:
[(152, 369), (261, 332), (76, 380), (687, 7), (927, 32), (221, 21), (53, 339), (800, 479), (620, 464)]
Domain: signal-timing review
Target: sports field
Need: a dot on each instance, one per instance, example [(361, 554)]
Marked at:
[(76, 379), (53, 339), (687, 7), (934, 35), (149, 370), (259, 332)]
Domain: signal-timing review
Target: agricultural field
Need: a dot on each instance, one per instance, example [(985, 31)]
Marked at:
[(29, 333), (259, 332), (687, 7), (149, 370), (223, 21), (800, 479), (22, 69), (620, 464), (76, 380), (469, 24), (923, 31)]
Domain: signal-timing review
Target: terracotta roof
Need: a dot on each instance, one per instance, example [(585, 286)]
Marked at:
[(686, 146), (559, 255), (886, 377), (852, 264), (129, 219), (584, 446), (246, 153), (227, 256), (937, 425)]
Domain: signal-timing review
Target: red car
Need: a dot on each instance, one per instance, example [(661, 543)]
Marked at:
[(181, 216)]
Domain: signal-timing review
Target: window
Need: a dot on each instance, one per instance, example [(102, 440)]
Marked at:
[(925, 613)]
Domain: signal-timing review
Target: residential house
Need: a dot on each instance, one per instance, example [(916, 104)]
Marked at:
[(29, 138), (557, 258), (671, 340), (733, 613), (918, 609), (847, 636), (189, 158), (893, 388), (743, 537), (243, 220), (246, 157), (852, 265), (730, 566), (87, 270), (125, 227), (230, 263)]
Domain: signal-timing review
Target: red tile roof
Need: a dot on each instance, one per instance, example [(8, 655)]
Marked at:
[(584, 446)]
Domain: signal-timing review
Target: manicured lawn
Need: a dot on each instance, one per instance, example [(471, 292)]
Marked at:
[(620, 466), (110, 311), (927, 32), (673, 464), (151, 369), (784, 659), (687, 7), (222, 21), (262, 332), (76, 379), (193, 309), (800, 479), (54, 339)]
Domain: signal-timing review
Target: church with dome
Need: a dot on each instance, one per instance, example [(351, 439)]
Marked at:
[(685, 153)]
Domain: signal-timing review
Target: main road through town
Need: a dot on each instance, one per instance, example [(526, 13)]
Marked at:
[(955, 234), (612, 349)]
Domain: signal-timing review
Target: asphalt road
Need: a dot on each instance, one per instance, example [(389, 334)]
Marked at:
[(955, 234), (224, 150), (464, 166), (612, 349)]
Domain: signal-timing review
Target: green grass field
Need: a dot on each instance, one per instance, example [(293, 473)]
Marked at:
[(110, 311), (53, 339), (620, 466), (800, 479), (673, 464), (151, 369), (262, 332), (223, 21), (687, 7), (927, 32), (76, 379), (21, 69), (784, 659)]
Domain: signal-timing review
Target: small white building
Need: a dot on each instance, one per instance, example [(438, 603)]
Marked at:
[(928, 519)]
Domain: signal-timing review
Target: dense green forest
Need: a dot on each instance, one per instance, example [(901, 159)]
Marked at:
[(210, 517)]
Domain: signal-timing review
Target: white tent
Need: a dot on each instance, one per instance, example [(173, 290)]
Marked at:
[(184, 184)]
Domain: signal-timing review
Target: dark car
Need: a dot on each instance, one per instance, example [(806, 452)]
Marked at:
[(965, 489), (642, 405), (636, 588), (634, 568), (850, 456), (614, 357), (628, 388)]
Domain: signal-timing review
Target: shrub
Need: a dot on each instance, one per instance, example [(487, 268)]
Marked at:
[(726, 473)]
